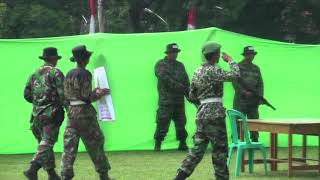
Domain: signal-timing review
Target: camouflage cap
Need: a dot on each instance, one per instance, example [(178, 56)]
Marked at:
[(210, 47)]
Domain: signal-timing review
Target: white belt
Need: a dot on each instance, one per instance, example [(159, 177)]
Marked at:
[(77, 102), (211, 100)]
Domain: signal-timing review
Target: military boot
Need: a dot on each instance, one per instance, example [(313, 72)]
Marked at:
[(105, 177), (157, 146), (181, 175), (52, 175), (183, 146), (32, 172), (65, 178)]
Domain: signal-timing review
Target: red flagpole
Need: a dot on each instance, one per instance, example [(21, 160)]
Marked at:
[(192, 18), (92, 18)]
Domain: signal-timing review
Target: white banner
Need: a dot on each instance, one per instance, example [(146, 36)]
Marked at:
[(105, 105)]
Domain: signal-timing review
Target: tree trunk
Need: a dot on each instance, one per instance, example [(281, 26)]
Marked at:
[(101, 19)]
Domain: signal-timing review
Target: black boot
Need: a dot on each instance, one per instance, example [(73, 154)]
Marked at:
[(181, 175), (32, 172), (52, 175), (105, 177), (183, 146), (157, 146), (65, 178)]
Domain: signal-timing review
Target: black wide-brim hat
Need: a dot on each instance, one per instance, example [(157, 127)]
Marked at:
[(80, 53), (172, 48), (50, 52), (249, 50)]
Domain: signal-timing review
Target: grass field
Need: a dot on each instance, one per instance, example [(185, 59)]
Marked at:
[(148, 165)]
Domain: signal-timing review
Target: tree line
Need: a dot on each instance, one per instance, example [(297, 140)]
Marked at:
[(284, 20)]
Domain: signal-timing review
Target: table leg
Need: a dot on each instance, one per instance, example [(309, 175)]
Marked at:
[(272, 150), (319, 154), (304, 147), (290, 155), (276, 151)]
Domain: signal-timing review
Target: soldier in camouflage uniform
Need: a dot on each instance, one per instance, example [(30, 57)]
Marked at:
[(82, 119), (44, 90), (244, 100), (207, 87), (173, 86)]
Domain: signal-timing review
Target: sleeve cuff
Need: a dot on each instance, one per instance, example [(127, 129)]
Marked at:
[(232, 62)]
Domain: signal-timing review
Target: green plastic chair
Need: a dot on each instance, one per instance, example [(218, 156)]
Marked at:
[(243, 145)]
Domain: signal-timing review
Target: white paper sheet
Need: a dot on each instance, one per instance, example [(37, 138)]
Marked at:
[(105, 105)]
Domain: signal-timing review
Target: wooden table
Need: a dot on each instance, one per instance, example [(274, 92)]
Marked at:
[(302, 127)]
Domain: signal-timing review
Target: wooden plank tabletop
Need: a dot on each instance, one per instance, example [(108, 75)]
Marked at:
[(297, 121)]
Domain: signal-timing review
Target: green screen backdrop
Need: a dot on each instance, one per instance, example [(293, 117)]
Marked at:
[(290, 71)]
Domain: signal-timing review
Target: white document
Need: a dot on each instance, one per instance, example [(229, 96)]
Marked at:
[(105, 106)]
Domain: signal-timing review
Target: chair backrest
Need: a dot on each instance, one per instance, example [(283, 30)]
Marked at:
[(234, 116)]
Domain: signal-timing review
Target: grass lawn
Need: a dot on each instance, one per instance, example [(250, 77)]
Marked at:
[(149, 165)]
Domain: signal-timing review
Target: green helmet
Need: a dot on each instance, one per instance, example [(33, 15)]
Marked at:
[(210, 47)]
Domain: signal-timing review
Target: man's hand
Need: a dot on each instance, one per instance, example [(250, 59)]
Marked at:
[(226, 57), (102, 92)]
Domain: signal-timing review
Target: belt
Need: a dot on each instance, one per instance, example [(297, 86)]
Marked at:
[(77, 102), (211, 100)]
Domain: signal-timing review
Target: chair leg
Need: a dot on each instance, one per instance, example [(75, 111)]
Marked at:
[(251, 160), (229, 155), (238, 161), (264, 154)]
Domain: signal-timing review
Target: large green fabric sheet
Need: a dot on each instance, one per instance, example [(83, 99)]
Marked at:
[(290, 72)]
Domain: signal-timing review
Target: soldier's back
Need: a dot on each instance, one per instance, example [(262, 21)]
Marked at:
[(43, 89), (78, 87), (206, 83)]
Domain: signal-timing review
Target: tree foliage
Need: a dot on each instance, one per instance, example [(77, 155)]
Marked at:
[(284, 20)]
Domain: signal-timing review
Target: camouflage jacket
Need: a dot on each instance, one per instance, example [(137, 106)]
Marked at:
[(44, 90), (78, 86), (250, 76), (173, 82), (207, 82)]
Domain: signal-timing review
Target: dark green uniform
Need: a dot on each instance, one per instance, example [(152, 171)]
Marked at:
[(82, 123), (173, 86), (44, 90), (252, 79)]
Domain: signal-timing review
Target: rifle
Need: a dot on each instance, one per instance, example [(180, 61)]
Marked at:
[(263, 100)]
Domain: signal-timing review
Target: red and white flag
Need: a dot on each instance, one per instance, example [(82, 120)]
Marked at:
[(92, 17), (192, 18)]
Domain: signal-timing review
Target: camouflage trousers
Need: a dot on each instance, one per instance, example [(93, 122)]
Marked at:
[(252, 113), (47, 136), (165, 114), (213, 131), (87, 129)]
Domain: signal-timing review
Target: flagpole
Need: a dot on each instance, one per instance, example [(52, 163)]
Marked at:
[(101, 20), (191, 19), (92, 28)]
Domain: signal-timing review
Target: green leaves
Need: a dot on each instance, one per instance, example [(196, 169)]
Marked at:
[(283, 20)]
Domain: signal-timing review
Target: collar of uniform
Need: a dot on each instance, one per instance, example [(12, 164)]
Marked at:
[(208, 64), (48, 64), (170, 61), (246, 62), (80, 67)]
